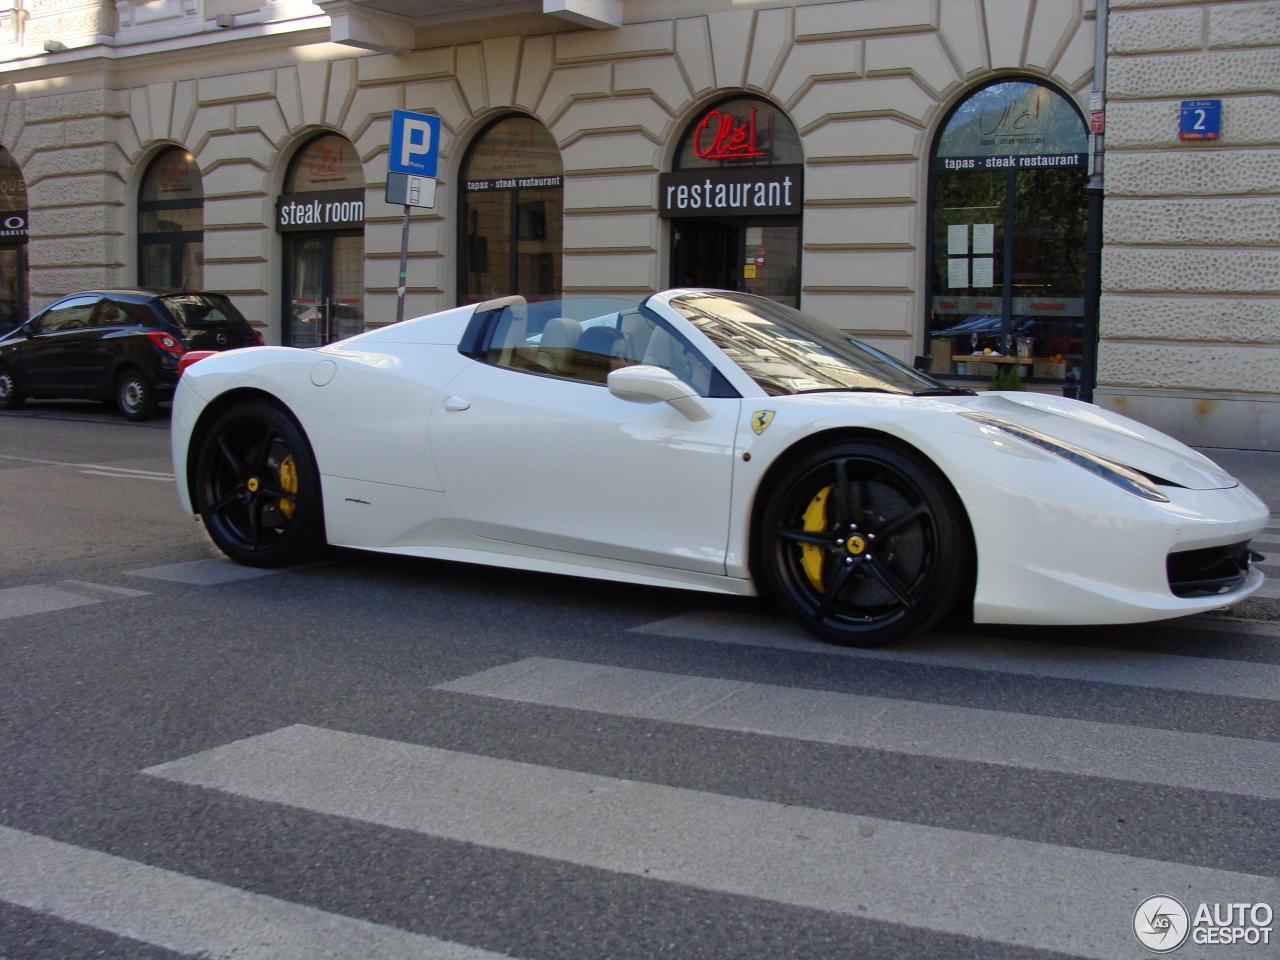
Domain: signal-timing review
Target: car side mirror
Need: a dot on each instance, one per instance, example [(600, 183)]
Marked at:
[(647, 383), (27, 330)]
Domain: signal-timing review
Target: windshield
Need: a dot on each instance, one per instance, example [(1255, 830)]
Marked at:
[(786, 352), (203, 310)]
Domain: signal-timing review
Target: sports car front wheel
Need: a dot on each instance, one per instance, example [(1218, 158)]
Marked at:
[(257, 487), (864, 543)]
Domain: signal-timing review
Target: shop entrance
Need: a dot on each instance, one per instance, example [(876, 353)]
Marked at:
[(751, 256), (325, 283), (734, 196), (321, 220)]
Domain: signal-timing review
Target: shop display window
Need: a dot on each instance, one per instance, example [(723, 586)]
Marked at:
[(13, 243), (1008, 217), (171, 223), (511, 214)]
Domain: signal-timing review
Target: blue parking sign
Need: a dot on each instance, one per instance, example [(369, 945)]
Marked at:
[(415, 144), (1201, 120)]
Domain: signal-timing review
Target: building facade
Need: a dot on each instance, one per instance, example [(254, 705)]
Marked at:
[(1190, 313), (911, 171)]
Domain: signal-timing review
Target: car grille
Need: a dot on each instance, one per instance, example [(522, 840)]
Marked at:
[(1208, 572)]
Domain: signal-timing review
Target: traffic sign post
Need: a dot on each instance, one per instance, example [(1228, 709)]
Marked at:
[(411, 176)]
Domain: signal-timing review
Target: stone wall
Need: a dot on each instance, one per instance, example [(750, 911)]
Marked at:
[(865, 82), (1190, 315)]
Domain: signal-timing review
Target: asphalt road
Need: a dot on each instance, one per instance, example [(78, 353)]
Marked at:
[(380, 757)]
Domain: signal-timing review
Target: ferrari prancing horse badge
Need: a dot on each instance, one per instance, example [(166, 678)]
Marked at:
[(760, 421)]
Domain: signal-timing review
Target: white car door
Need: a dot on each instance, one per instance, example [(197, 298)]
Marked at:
[(531, 458)]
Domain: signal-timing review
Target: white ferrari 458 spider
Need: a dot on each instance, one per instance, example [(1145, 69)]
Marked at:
[(713, 441)]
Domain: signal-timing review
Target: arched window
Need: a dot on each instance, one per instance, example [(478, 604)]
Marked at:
[(321, 215), (511, 213), (171, 223), (13, 243), (1007, 231), (735, 196)]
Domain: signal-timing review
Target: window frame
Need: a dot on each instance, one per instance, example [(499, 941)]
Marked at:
[(176, 240), (483, 339)]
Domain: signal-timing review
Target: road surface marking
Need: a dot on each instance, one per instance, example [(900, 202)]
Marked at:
[(25, 601), (202, 573), (996, 888), (91, 466), (1192, 761), (1160, 671), (120, 475), (192, 916), (104, 588)]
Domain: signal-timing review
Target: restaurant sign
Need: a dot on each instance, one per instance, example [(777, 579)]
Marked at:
[(732, 192), (320, 210)]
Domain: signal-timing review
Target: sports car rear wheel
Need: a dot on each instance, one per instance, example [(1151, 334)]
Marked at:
[(863, 543), (257, 487)]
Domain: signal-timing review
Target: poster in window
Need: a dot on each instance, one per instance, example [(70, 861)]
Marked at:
[(958, 239), (983, 272), (984, 238), (957, 272)]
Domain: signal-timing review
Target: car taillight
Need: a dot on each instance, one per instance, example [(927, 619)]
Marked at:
[(167, 342), (257, 339), (194, 356)]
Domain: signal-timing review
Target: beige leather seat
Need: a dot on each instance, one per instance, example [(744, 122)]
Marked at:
[(559, 337)]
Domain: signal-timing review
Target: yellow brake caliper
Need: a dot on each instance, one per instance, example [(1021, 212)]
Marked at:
[(289, 484), (815, 519)]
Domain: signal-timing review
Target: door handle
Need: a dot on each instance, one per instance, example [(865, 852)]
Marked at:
[(455, 404)]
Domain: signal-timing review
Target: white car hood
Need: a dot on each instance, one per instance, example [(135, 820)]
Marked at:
[(1107, 434)]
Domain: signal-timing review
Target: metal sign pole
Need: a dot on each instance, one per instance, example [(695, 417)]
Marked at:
[(404, 264)]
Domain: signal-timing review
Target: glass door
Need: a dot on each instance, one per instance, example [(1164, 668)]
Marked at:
[(346, 286), (325, 290), (752, 256)]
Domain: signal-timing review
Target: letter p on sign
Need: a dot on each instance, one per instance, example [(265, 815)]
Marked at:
[(415, 144), (417, 141)]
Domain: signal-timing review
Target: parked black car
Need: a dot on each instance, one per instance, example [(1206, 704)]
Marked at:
[(116, 345)]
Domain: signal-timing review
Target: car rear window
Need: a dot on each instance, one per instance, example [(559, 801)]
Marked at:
[(202, 311)]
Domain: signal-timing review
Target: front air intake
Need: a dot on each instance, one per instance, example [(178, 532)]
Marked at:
[(1210, 571)]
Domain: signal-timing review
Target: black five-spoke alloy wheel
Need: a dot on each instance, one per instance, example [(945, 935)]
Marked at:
[(864, 543), (257, 487)]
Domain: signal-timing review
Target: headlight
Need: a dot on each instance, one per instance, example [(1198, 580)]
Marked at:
[(1122, 476)]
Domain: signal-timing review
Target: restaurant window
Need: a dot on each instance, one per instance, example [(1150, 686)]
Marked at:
[(321, 218), (511, 214), (171, 223), (1007, 231), (734, 197), (13, 243)]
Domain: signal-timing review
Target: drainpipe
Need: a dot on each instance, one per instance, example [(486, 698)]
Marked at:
[(1093, 228)]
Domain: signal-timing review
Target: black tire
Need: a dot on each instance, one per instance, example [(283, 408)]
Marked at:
[(864, 543), (135, 397), (257, 487), (11, 398)]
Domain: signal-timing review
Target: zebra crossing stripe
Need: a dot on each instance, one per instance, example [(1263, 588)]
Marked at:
[(1086, 748), (203, 573), (25, 601), (1227, 678), (995, 888), (192, 916)]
